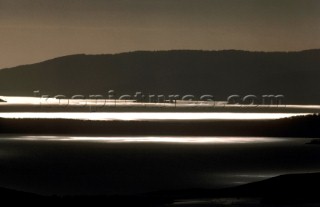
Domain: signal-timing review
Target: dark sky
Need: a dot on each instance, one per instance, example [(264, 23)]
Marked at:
[(35, 30)]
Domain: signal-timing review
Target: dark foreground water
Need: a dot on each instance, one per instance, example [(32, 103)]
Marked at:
[(121, 165)]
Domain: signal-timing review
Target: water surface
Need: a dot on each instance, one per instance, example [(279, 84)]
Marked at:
[(77, 165)]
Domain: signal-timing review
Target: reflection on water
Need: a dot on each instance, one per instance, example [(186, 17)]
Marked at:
[(183, 140), (150, 116)]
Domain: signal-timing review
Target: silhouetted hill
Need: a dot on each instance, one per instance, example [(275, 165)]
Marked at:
[(292, 187), (283, 189), (218, 73)]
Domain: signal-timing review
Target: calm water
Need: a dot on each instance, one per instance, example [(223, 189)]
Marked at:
[(73, 165)]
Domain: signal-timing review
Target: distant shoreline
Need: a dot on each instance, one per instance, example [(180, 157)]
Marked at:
[(301, 126)]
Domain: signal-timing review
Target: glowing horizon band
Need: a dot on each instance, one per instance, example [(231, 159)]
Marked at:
[(160, 139), (128, 116)]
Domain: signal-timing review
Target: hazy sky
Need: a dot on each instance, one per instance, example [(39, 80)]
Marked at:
[(36, 30)]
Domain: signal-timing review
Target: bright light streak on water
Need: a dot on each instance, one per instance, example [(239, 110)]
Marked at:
[(181, 140), (21, 100), (149, 116)]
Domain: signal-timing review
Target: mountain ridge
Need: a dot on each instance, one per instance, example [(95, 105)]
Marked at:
[(218, 73), (148, 51)]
